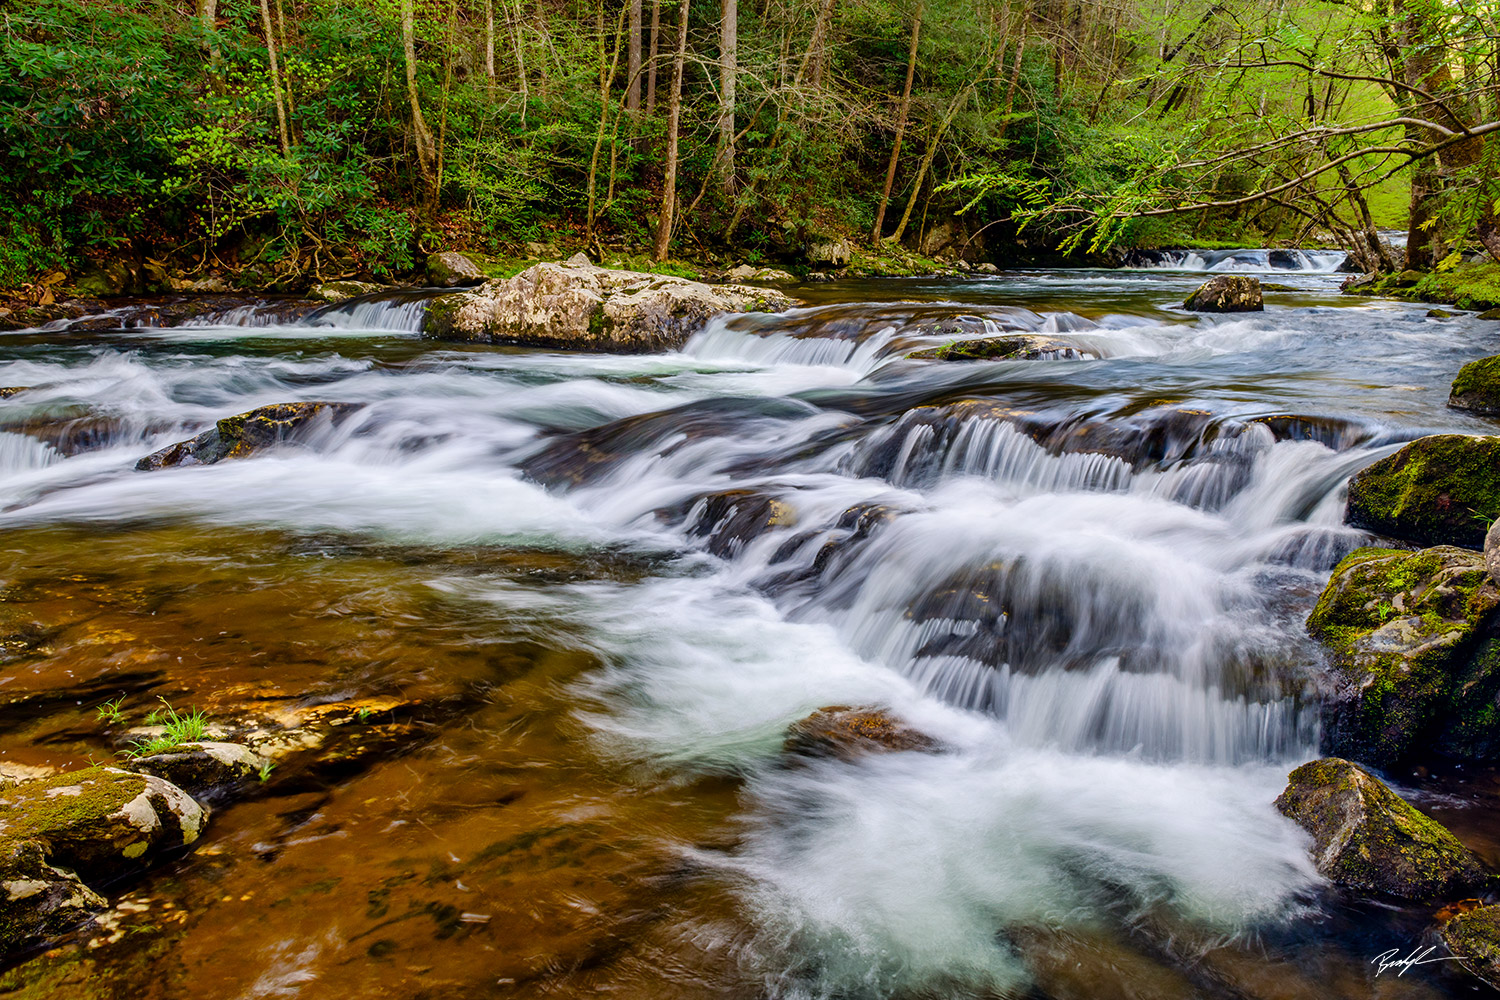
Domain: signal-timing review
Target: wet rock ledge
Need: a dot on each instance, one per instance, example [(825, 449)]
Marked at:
[(578, 306)]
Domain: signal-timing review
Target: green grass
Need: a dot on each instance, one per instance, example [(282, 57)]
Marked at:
[(1468, 286), (110, 711), (177, 728)]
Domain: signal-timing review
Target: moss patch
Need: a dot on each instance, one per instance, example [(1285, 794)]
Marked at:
[(1366, 837), (1408, 634), (1477, 387), (1438, 490), (1475, 938)]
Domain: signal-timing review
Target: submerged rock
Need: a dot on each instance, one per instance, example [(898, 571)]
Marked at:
[(1367, 838), (452, 270), (1021, 347), (39, 901), (246, 434), (1477, 387), (579, 306), (1474, 938), (847, 733), (1227, 293), (1415, 660), (1439, 490)]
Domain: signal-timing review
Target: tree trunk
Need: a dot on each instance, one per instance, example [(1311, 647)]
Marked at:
[(633, 59), (674, 116), (208, 14), (1015, 78), (890, 170), (728, 78), (521, 60), (651, 58), (606, 78), (421, 137), (489, 42), (927, 157), (265, 19), (812, 62)]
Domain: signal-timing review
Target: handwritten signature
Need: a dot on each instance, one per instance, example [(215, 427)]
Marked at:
[(1387, 960)]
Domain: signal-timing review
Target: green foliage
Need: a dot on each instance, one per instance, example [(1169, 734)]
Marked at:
[(177, 728), (110, 711)]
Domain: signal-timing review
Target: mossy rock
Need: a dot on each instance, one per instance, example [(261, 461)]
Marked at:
[(1413, 654), (1439, 490), (1477, 387), (848, 733), (1474, 939), (1226, 293), (1489, 314), (207, 771), (94, 824), (1368, 839), (246, 434), (1022, 347)]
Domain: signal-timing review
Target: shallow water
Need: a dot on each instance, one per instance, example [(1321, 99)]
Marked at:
[(570, 604)]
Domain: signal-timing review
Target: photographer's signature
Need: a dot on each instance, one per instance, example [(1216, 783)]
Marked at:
[(1392, 959)]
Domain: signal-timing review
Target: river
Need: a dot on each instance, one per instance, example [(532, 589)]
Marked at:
[(580, 598)]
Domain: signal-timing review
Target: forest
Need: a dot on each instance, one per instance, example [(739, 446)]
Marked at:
[(288, 141)]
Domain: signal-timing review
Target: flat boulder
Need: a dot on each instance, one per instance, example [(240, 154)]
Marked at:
[(578, 306), (1367, 838), (208, 770), (1474, 938), (746, 272), (1477, 387), (1414, 662), (849, 733), (332, 292), (450, 269), (1438, 490), (1226, 293), (1017, 347), (247, 434)]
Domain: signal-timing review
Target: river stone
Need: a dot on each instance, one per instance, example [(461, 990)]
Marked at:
[(578, 306), (1489, 314), (832, 253), (1492, 552), (1018, 347), (1414, 658), (39, 901), (452, 270), (340, 291), (246, 434), (1367, 838), (100, 820), (1226, 293), (1477, 387), (1439, 490), (206, 770), (745, 272), (1474, 938), (848, 733)]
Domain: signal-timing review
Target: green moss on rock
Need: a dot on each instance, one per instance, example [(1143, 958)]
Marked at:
[(1474, 938), (1413, 660), (1367, 838), (1477, 387), (1438, 490), (246, 434)]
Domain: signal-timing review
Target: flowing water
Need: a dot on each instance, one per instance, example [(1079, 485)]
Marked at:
[(574, 602)]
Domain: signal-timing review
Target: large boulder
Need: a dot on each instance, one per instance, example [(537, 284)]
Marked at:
[(830, 253), (92, 825), (1226, 293), (246, 434), (847, 733), (453, 270), (1414, 655), (1438, 490), (1477, 387), (1474, 938), (576, 305), (746, 272), (1367, 838)]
